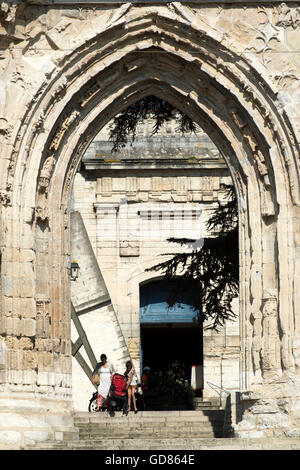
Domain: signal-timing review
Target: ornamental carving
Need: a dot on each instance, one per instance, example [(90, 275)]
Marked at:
[(251, 141), (63, 128), (8, 12), (46, 173), (42, 210), (89, 94), (270, 350), (6, 129), (288, 17), (5, 198), (257, 153)]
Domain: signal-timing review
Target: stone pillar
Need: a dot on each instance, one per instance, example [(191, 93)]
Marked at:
[(35, 356)]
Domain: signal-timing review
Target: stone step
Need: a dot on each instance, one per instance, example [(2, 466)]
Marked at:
[(145, 430), (153, 434), (152, 415), (113, 424), (148, 421), (207, 406), (162, 431), (150, 424), (106, 427), (212, 403), (140, 430), (149, 417), (174, 444)]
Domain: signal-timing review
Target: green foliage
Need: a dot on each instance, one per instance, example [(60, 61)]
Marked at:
[(172, 383), (208, 277), (150, 107)]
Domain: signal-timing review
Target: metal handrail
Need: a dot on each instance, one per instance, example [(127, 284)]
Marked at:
[(213, 386)]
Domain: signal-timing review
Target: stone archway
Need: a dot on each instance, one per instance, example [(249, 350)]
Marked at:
[(165, 52)]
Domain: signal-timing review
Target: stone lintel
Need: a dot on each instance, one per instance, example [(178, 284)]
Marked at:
[(144, 164)]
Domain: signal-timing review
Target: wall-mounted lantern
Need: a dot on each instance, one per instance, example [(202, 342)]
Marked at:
[(74, 270)]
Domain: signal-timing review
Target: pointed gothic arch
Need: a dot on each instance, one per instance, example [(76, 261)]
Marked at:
[(165, 54)]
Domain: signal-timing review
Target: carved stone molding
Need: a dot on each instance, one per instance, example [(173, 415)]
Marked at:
[(46, 173), (67, 121), (288, 17), (90, 93), (268, 208), (177, 10), (270, 337), (8, 12), (42, 210), (6, 129), (5, 197)]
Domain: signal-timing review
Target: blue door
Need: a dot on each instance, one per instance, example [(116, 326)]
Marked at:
[(154, 307)]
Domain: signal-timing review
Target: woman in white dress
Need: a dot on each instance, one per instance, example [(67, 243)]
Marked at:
[(131, 385), (105, 371)]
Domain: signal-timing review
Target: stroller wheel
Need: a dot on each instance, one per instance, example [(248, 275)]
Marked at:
[(111, 413), (93, 405)]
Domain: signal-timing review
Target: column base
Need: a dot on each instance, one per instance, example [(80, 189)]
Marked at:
[(272, 411), (27, 419)]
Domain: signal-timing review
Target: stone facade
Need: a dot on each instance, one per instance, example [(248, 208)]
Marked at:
[(64, 73)]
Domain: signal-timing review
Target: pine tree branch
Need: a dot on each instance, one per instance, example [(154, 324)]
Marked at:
[(208, 278), (125, 124)]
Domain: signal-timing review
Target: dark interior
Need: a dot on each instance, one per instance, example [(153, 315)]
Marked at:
[(163, 344)]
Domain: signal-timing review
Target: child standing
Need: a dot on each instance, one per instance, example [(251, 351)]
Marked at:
[(131, 385)]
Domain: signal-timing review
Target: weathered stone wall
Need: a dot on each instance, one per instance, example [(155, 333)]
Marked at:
[(65, 72)]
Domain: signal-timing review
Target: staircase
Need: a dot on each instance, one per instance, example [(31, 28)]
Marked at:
[(159, 430), (143, 431)]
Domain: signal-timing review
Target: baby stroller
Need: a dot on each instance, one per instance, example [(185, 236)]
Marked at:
[(117, 398)]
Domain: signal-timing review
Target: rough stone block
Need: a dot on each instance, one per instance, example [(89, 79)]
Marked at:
[(249, 434), (29, 327), (273, 421), (27, 287), (233, 341), (9, 438), (28, 307), (30, 360), (42, 378), (29, 376), (264, 406), (27, 256), (25, 343), (15, 376), (31, 437)]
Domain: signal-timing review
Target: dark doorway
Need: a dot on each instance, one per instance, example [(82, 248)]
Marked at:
[(171, 345), (164, 344)]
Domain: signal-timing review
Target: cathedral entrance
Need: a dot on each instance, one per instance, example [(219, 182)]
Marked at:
[(130, 208), (224, 74)]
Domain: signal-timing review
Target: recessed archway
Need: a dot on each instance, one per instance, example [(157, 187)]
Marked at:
[(220, 92)]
